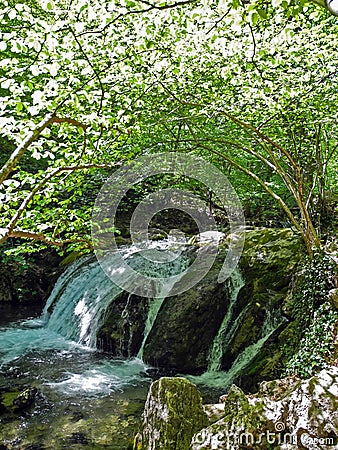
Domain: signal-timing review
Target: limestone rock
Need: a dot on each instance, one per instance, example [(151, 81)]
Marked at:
[(284, 415), (187, 324), (214, 412), (173, 413), (25, 399), (268, 261)]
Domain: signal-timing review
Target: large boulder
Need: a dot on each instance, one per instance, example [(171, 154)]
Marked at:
[(284, 414), (173, 413), (187, 324)]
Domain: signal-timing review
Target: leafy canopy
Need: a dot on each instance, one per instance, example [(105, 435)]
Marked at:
[(87, 86)]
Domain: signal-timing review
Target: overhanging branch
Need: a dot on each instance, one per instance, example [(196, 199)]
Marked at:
[(7, 232), (25, 234), (32, 137)]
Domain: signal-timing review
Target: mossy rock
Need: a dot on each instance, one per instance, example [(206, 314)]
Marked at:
[(282, 412), (173, 413), (271, 254), (122, 331), (268, 263), (187, 325)]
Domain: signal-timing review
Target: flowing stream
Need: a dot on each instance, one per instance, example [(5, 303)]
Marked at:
[(86, 399), (214, 376), (235, 283)]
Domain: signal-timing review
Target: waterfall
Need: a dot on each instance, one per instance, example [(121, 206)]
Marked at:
[(154, 307), (156, 303), (82, 295), (235, 283), (78, 302), (76, 308), (273, 320), (214, 376)]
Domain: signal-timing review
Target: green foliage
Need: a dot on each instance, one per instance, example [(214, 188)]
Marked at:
[(311, 345), (16, 262), (317, 345), (128, 78), (317, 280)]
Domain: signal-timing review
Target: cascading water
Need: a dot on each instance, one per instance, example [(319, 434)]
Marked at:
[(156, 303), (154, 307), (271, 323), (214, 376), (86, 293), (56, 354), (235, 283), (75, 309)]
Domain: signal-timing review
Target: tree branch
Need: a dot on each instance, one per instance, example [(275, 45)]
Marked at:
[(20, 151), (7, 232), (92, 67), (32, 137), (260, 182), (167, 6), (17, 233)]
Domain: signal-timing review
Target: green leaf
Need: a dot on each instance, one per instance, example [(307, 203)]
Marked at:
[(262, 13), (254, 18), (19, 107)]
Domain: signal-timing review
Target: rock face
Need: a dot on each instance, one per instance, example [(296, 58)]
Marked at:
[(267, 264), (285, 414), (173, 413), (186, 326), (123, 328)]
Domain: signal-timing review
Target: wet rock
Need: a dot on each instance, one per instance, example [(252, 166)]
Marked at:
[(122, 331), (267, 264), (284, 414), (78, 438), (76, 416), (158, 372), (25, 399), (34, 447), (187, 324), (173, 413), (2, 406)]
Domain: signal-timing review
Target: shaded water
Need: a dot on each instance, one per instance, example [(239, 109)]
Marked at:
[(235, 283), (85, 400), (214, 377)]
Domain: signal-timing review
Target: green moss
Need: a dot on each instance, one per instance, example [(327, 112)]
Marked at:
[(173, 414), (8, 398)]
